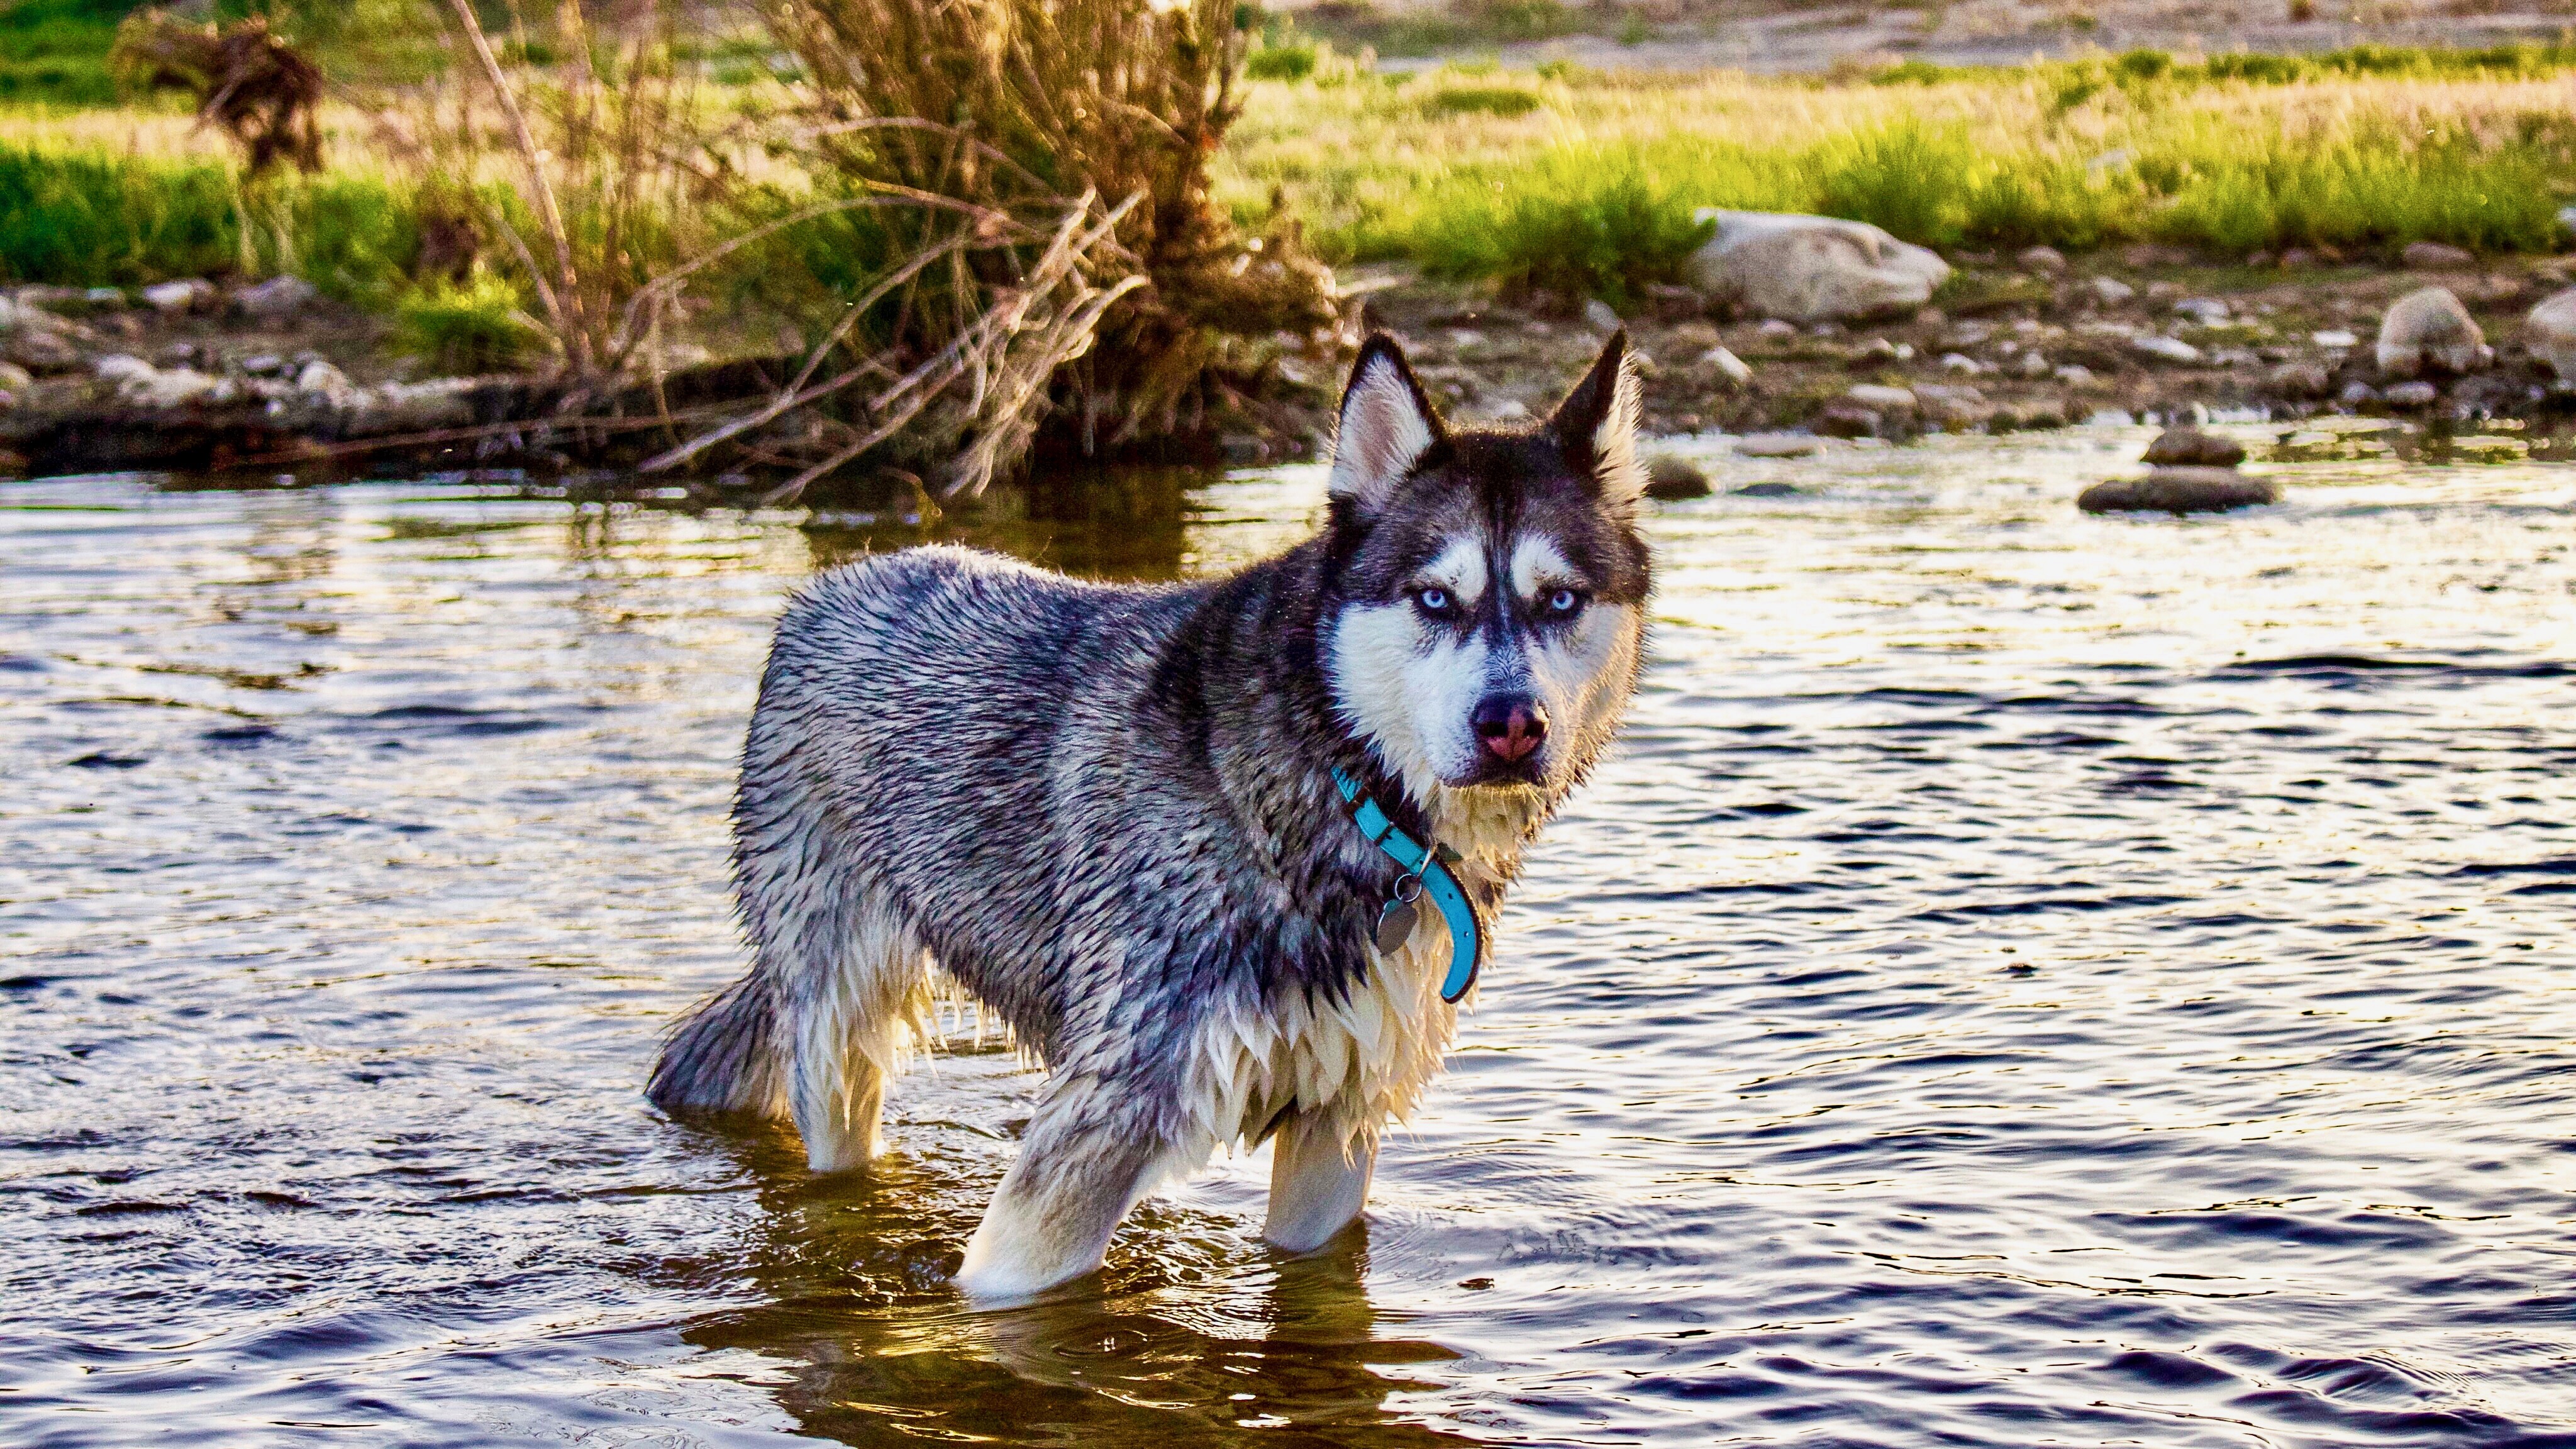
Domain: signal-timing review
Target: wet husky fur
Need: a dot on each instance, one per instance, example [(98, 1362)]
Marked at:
[(1108, 814)]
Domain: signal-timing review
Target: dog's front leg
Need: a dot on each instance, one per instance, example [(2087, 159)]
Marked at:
[(1319, 1179), (1079, 1172)]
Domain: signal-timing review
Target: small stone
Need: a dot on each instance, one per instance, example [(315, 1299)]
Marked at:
[(321, 379), (2296, 257), (2165, 349), (2031, 365), (2189, 447), (2075, 375), (1961, 364), (188, 295), (2258, 260), (104, 299), (2207, 311), (1727, 365), (263, 364), (2300, 381), (2334, 337), (2430, 256), (2550, 331), (1672, 479), (1882, 399), (1598, 316), (1848, 420), (279, 299), (2429, 330), (2417, 394), (15, 378), (2111, 291), (2047, 261), (1776, 328), (2357, 394), (1778, 445), (1764, 490), (2179, 491)]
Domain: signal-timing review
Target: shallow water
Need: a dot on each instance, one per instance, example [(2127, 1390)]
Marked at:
[(2025, 979)]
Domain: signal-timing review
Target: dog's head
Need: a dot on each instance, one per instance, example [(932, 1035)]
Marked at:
[(1490, 584)]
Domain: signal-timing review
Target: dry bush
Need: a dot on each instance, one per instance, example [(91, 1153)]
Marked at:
[(994, 116), (615, 180), (253, 86)]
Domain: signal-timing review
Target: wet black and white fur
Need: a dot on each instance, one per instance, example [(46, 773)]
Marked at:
[(1108, 815)]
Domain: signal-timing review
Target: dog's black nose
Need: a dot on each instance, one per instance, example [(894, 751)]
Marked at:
[(1510, 728)]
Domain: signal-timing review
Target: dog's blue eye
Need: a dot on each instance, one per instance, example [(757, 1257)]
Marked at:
[(1433, 601), (1564, 601)]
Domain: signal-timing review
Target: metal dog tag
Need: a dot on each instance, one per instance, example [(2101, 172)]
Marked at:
[(1395, 926)]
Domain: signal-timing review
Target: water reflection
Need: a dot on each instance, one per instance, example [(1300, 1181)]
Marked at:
[(1186, 1337)]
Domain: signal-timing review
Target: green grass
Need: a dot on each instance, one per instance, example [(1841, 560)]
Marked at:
[(1493, 100), (478, 326), (55, 51), (1606, 220), (93, 220)]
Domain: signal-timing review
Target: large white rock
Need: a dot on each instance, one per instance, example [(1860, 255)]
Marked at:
[(1811, 268), (2551, 333), (2430, 329)]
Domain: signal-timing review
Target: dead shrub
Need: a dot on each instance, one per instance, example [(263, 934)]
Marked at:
[(248, 83), (995, 116)]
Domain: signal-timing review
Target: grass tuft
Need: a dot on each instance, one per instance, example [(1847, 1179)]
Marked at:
[(477, 326)]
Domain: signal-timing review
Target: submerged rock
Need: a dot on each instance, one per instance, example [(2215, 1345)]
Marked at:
[(1671, 479), (2188, 447), (1764, 490), (1811, 268), (1779, 445), (2428, 330), (2180, 490)]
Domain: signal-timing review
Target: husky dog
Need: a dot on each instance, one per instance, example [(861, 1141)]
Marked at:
[(1116, 817)]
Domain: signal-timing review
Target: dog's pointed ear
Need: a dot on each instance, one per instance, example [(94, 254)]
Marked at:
[(1597, 422), (1386, 426)]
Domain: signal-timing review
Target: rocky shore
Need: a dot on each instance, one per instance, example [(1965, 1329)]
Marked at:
[(2038, 341), (1789, 325)]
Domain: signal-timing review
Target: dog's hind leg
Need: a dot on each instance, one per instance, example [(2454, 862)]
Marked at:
[(1079, 1173), (1319, 1179), (850, 1022)]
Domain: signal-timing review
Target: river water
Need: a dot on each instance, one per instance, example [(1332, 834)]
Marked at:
[(2025, 979)]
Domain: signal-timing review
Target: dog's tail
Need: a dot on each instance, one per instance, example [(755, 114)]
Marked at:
[(723, 1056)]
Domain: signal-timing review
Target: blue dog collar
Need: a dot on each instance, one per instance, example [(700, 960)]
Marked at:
[(1466, 942)]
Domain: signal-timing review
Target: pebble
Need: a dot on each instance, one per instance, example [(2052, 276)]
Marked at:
[(2413, 395), (2335, 338), (2165, 349), (2207, 311), (1598, 316), (2111, 291), (2432, 256), (1727, 365), (2048, 261), (1882, 399), (1961, 363), (2188, 446)]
